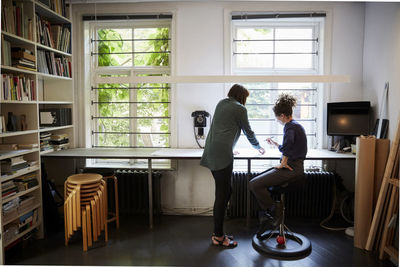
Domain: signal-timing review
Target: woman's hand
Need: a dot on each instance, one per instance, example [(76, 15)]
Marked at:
[(235, 152), (261, 151), (271, 142), (283, 166)]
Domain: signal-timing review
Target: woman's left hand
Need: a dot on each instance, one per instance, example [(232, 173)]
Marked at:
[(283, 166)]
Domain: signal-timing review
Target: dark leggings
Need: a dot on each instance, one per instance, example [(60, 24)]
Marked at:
[(223, 190)]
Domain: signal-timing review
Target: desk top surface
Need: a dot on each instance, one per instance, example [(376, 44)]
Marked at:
[(184, 153)]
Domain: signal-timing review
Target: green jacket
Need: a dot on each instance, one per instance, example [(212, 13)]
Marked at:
[(230, 117)]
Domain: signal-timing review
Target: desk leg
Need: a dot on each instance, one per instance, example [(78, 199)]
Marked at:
[(150, 181), (248, 193)]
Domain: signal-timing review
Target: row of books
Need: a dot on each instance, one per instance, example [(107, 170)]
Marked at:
[(23, 58), (19, 184), (8, 189), (49, 117), (15, 19), (56, 36), (13, 146), (56, 5), (26, 182), (18, 226), (18, 205), (53, 64), (53, 142), (45, 142), (18, 87), (10, 165)]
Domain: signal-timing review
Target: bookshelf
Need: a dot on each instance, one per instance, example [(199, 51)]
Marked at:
[(36, 80)]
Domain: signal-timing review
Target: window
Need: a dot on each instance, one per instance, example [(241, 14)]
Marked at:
[(288, 45), (126, 115)]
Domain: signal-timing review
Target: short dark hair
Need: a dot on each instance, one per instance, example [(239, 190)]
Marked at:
[(239, 92), (284, 105)]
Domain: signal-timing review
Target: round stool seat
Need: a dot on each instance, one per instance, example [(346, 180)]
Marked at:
[(84, 178), (290, 186)]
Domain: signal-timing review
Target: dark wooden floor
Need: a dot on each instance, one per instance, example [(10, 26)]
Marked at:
[(185, 241)]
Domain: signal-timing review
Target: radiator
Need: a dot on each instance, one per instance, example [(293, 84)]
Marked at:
[(314, 200), (133, 192)]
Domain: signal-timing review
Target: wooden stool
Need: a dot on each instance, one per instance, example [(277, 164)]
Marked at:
[(109, 174), (85, 206)]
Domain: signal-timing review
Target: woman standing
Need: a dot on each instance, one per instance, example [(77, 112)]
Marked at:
[(291, 167), (230, 118)]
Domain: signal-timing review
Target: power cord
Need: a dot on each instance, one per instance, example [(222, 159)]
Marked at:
[(333, 211), (195, 137)]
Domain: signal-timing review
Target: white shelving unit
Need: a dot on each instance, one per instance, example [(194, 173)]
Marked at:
[(51, 91)]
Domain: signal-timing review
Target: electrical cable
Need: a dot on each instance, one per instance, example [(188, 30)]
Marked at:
[(332, 212), (195, 137), (341, 209)]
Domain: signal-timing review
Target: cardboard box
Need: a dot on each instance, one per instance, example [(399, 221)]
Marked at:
[(382, 148), (364, 189)]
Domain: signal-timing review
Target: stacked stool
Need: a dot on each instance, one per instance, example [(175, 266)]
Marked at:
[(108, 174), (85, 206)]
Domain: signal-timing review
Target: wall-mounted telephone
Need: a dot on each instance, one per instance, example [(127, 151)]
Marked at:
[(199, 122), (200, 118)]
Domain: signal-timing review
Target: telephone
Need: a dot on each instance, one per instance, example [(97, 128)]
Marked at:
[(199, 122), (200, 118)]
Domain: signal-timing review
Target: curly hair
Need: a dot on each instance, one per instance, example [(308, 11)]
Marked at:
[(239, 92), (284, 105)]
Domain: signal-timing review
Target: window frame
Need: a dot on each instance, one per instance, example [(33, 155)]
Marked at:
[(319, 28), (95, 71)]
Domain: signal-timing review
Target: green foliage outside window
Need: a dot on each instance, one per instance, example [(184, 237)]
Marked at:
[(142, 94)]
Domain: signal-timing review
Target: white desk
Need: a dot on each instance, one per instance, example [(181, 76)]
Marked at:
[(184, 153)]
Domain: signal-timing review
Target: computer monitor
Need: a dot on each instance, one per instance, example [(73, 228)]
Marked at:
[(348, 118)]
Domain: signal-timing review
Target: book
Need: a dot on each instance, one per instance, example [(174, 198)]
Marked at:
[(58, 136), (3, 124), (23, 55), (16, 160), (24, 62), (23, 49), (9, 194), (27, 181), (13, 164), (6, 53), (8, 146), (60, 147), (27, 146), (7, 185), (24, 67)]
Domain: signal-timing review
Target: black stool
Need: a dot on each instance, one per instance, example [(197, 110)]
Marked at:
[(282, 242)]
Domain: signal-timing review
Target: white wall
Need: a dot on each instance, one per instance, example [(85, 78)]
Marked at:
[(199, 36), (382, 59)]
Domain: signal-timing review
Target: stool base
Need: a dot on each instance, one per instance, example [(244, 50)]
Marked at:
[(296, 247)]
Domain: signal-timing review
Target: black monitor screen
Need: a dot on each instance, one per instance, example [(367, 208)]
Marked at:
[(348, 118)]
